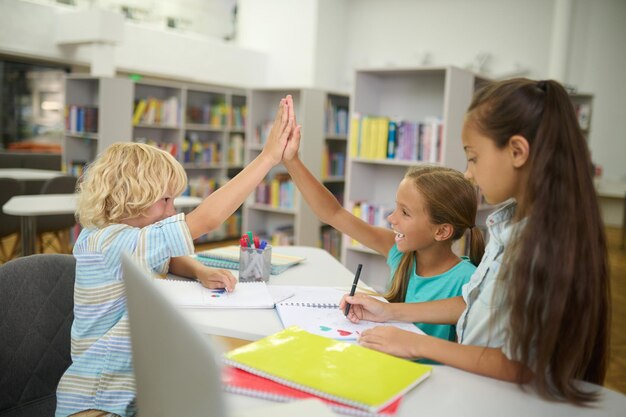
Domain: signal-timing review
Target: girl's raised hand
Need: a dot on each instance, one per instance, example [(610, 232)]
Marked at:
[(293, 144), (281, 129), (365, 307)]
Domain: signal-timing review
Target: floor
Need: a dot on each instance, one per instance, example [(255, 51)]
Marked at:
[(616, 377)]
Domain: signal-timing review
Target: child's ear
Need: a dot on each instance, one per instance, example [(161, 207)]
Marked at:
[(444, 232), (519, 150)]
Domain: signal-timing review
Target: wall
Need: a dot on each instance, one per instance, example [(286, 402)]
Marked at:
[(518, 35), (598, 65), (27, 30), (285, 30)]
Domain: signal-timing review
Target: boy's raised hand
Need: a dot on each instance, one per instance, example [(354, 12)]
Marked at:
[(293, 144), (281, 129)]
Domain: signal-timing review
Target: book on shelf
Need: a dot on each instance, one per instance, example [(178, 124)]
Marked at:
[(381, 138), (316, 310), (228, 257), (339, 371), (192, 294), (238, 381)]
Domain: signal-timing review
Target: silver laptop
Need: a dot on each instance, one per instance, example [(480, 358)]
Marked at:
[(177, 371)]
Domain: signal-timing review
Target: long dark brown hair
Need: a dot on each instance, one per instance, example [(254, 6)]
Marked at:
[(450, 199), (555, 273)]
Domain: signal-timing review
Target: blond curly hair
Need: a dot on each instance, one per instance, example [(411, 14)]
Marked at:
[(124, 181)]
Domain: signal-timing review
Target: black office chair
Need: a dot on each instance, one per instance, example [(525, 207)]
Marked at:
[(57, 225), (9, 225), (36, 314)]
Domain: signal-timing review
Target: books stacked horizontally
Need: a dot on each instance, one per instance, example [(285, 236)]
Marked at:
[(294, 364), (228, 257)]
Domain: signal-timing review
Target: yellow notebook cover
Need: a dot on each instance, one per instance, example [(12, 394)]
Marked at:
[(340, 371)]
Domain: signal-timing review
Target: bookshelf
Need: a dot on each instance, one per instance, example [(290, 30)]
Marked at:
[(417, 100), (204, 127), (583, 105), (97, 113), (276, 210)]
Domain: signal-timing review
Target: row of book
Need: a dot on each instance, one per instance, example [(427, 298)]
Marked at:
[(383, 138), (168, 147), (335, 119), (333, 163), (278, 191), (330, 241), (197, 151), (155, 111), (81, 119), (218, 114), (75, 168), (372, 213), (230, 229), (201, 186)]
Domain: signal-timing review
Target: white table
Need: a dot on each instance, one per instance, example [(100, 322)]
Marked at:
[(26, 174), (447, 392), (28, 207), (319, 269)]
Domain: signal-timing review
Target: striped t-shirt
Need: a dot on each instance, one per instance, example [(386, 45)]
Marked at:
[(101, 374)]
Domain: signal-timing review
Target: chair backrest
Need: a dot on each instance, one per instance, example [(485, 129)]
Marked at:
[(36, 314), (9, 187), (57, 185)]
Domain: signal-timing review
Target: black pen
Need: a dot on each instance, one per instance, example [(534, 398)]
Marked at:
[(353, 289)]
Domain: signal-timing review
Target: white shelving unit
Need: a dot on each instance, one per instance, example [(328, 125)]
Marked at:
[(98, 114), (299, 222), (412, 94), (204, 127)]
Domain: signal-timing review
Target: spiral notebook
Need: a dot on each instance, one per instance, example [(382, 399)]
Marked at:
[(343, 372), (316, 310), (192, 294), (238, 381)]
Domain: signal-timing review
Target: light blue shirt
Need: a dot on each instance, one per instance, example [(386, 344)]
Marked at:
[(485, 321), (446, 285), (101, 374)]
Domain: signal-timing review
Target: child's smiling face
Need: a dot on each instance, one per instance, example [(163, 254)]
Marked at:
[(410, 219)]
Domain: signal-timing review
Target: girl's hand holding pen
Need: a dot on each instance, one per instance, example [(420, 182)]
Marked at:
[(281, 130), (216, 278), (365, 307)]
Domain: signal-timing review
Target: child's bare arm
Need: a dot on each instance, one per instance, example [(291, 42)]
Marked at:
[(325, 205), (221, 204), (186, 266), (480, 360)]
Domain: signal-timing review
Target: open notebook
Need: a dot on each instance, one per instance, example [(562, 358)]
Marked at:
[(228, 257), (316, 310), (339, 371), (192, 294)]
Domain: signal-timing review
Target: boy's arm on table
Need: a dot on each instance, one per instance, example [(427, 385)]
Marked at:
[(186, 266)]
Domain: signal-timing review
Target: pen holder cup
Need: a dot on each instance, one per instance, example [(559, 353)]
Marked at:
[(255, 264)]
